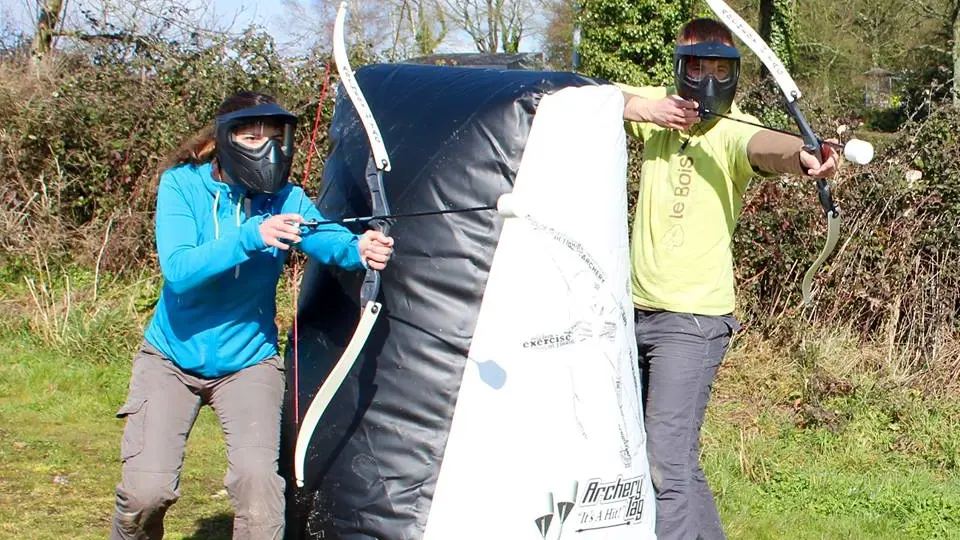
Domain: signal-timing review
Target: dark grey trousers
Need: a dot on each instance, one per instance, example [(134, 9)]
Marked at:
[(679, 354), (161, 408)]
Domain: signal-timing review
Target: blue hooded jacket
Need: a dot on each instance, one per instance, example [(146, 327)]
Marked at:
[(216, 313)]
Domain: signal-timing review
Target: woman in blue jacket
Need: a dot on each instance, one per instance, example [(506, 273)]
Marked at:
[(226, 218)]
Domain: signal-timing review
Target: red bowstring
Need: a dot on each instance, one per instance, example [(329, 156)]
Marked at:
[(296, 267)]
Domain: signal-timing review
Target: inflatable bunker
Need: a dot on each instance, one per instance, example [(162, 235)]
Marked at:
[(497, 395)]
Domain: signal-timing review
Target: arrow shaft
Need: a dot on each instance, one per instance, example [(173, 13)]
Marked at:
[(366, 219)]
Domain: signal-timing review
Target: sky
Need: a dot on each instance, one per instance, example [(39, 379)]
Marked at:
[(271, 15), (18, 14), (268, 14)]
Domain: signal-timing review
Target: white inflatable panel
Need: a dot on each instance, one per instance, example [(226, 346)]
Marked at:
[(547, 440)]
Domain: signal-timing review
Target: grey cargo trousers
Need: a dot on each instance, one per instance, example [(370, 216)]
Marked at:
[(679, 354), (161, 407)]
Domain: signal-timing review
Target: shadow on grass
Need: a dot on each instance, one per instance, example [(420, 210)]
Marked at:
[(218, 527)]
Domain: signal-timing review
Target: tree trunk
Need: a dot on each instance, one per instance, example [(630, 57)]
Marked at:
[(47, 22), (776, 28), (427, 37), (766, 14), (493, 29)]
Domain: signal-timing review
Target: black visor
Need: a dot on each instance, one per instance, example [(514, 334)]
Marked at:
[(264, 169), (707, 72)]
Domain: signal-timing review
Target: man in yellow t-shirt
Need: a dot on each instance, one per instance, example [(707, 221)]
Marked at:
[(696, 167)]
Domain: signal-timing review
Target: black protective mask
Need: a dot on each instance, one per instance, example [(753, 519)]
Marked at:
[(715, 95), (261, 170)]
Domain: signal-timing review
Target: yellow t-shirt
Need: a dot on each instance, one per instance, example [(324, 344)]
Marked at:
[(691, 194)]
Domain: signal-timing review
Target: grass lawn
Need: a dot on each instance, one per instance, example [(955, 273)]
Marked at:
[(59, 446), (792, 450)]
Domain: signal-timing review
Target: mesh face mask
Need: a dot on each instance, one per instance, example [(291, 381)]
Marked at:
[(708, 73), (266, 167)]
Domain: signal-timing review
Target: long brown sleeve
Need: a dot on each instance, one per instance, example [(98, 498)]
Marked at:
[(774, 152)]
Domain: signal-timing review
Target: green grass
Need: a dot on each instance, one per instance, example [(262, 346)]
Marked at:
[(815, 484), (59, 450), (863, 462), (801, 444)]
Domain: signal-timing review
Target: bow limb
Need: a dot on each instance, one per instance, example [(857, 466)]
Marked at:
[(349, 81), (791, 92), (833, 234), (378, 163), (811, 143)]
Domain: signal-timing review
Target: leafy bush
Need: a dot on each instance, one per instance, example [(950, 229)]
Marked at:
[(83, 137), (889, 119), (893, 277), (631, 41)]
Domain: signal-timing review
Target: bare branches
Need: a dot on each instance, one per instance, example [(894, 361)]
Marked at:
[(394, 28), (370, 24), (174, 20), (125, 37), (127, 21), (428, 24), (558, 32), (493, 25)]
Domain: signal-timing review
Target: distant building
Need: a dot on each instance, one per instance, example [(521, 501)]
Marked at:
[(527, 61), (878, 89)]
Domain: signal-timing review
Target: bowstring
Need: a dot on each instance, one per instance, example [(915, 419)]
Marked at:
[(311, 150)]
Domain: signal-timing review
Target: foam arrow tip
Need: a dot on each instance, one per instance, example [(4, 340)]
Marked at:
[(858, 151), (510, 206)]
